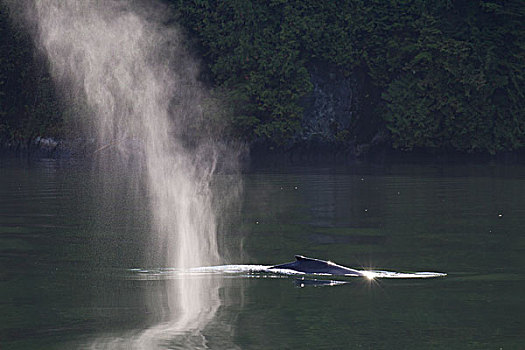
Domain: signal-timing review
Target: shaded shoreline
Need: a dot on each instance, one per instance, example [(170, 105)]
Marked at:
[(311, 153)]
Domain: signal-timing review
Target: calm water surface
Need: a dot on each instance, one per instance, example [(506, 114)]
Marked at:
[(69, 237)]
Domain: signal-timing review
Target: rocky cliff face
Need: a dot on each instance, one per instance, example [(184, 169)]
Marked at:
[(330, 109), (340, 112)]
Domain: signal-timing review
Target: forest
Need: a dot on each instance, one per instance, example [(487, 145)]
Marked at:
[(424, 75)]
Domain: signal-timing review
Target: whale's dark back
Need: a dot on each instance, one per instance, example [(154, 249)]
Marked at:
[(310, 265)]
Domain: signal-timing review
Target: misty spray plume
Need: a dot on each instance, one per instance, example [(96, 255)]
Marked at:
[(128, 81), (122, 61)]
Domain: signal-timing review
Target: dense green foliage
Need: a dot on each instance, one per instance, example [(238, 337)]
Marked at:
[(450, 73), (459, 80), (444, 75)]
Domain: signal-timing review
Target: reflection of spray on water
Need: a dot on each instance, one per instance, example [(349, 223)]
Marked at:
[(181, 321), (138, 86)]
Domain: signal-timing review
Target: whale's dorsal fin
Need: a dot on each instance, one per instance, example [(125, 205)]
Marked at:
[(304, 258), (311, 265)]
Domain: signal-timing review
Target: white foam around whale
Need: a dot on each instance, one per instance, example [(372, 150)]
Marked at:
[(266, 271)]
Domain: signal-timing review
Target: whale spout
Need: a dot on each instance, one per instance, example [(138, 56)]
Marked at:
[(316, 266)]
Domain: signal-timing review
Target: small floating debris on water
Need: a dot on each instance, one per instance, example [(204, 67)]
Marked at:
[(295, 188), (500, 215)]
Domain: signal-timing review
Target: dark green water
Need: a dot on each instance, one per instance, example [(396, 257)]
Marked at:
[(68, 237)]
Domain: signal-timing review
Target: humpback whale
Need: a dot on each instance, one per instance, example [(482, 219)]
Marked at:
[(310, 265), (301, 264)]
